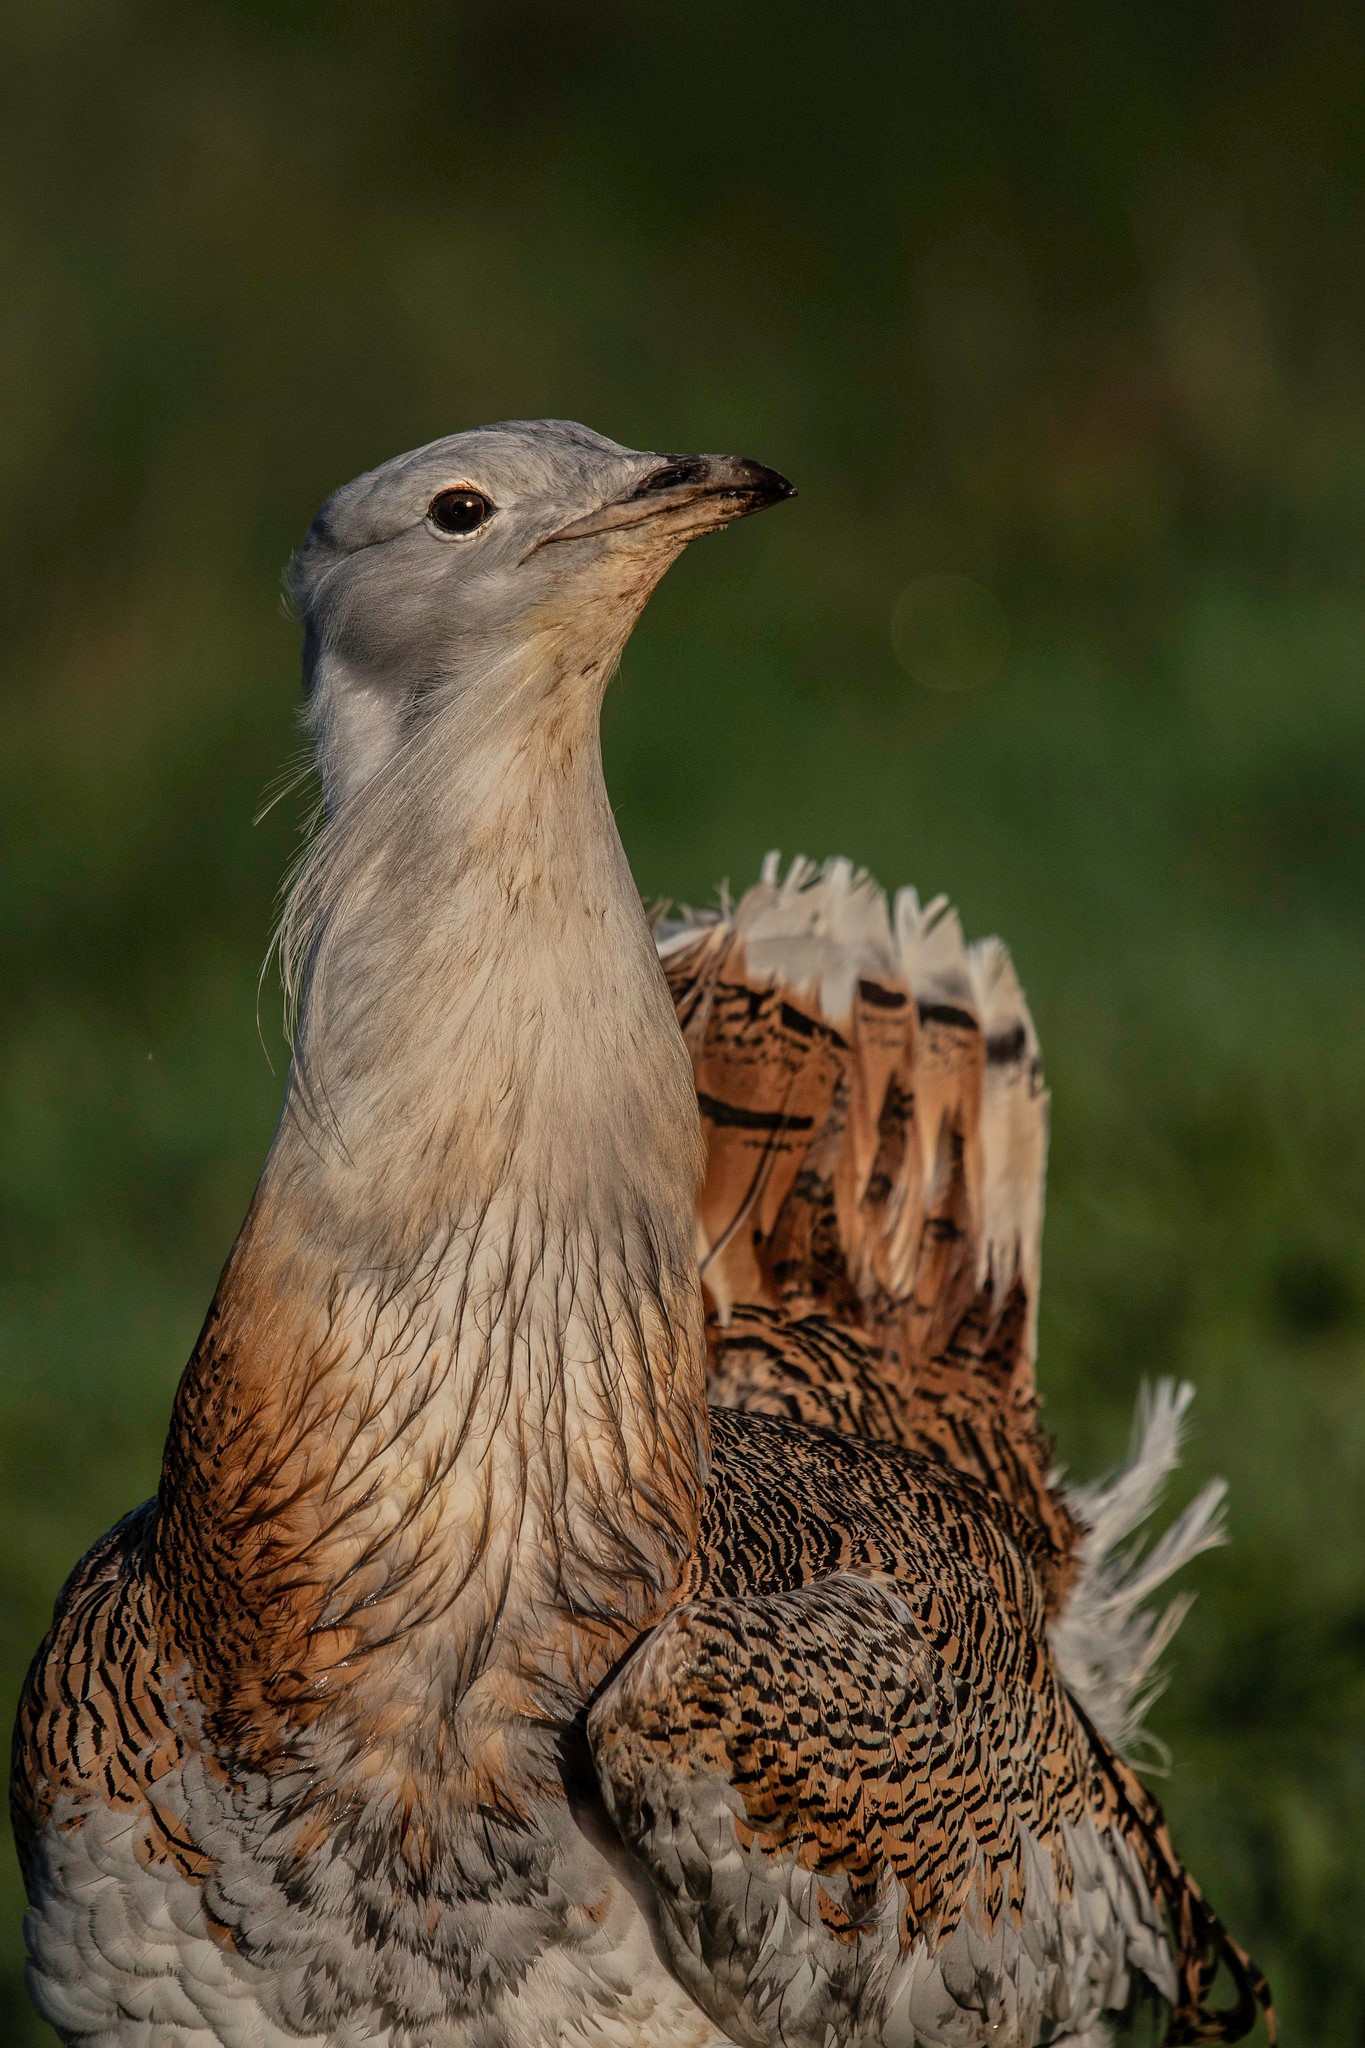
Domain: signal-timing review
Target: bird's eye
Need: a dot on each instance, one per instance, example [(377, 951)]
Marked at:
[(460, 511)]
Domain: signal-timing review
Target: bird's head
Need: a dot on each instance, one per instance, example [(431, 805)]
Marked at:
[(515, 558)]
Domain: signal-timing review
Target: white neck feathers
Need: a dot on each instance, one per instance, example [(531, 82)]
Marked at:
[(459, 1340)]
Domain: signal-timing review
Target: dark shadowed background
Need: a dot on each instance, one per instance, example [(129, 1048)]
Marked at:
[(1053, 313)]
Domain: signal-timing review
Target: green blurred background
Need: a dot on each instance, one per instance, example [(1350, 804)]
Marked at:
[(1060, 304)]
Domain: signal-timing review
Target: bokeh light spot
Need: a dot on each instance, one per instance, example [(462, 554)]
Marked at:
[(950, 633)]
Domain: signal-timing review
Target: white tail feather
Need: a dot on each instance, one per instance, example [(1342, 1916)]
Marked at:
[(1108, 1643), (816, 927), (933, 953), (1014, 1127)]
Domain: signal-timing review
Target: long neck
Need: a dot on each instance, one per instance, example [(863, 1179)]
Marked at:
[(438, 1454)]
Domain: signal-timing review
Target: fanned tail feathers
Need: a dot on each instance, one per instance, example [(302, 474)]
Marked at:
[(893, 1030), (876, 1125)]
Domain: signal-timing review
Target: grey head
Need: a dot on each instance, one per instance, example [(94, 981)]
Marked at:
[(512, 558)]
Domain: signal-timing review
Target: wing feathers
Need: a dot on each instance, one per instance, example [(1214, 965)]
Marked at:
[(872, 1770), (861, 1788)]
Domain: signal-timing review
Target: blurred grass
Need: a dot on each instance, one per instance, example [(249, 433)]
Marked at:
[(1067, 303)]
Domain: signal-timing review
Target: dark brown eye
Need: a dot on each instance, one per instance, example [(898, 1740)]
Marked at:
[(459, 511)]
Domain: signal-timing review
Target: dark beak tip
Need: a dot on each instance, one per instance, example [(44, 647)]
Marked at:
[(769, 486)]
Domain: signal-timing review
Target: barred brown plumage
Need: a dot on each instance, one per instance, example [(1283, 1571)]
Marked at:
[(471, 1682), (831, 1576)]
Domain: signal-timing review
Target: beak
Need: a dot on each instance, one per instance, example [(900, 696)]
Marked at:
[(686, 495)]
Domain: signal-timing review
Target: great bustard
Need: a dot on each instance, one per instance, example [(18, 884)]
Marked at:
[(469, 1679)]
